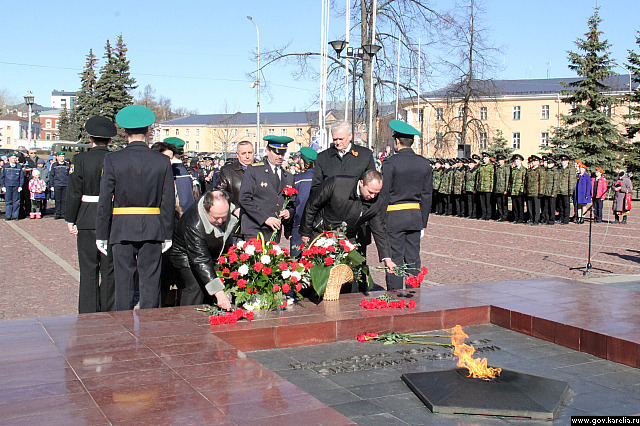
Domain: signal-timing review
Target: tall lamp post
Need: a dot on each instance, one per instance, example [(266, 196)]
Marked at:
[(364, 53), (257, 83), (28, 99)]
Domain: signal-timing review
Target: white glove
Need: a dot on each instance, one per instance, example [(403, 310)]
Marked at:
[(102, 246), (166, 245), (52, 188), (4, 189), (19, 189), (421, 233)]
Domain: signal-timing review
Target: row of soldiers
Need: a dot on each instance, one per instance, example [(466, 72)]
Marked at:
[(479, 188)]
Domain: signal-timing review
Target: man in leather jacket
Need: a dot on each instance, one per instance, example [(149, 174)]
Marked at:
[(354, 201), (230, 176), (201, 236)]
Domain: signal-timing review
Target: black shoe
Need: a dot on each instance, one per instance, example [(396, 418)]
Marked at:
[(7, 219), (534, 224), (551, 223), (624, 220)]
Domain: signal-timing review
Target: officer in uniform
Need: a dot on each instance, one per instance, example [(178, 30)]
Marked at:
[(95, 294), (407, 186), (261, 195), (502, 175), (12, 181), (136, 211), (58, 181), (302, 183), (516, 188)]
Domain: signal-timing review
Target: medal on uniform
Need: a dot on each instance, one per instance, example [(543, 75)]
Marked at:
[(263, 184)]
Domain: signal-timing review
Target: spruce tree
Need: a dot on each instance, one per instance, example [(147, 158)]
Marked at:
[(105, 96), (588, 133), (67, 126), (86, 105), (632, 154), (500, 145)]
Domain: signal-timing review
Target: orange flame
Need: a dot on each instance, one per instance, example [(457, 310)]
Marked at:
[(477, 367)]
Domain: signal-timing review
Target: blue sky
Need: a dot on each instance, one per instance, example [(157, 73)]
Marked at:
[(198, 53)]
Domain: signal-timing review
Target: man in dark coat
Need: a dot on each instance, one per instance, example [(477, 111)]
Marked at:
[(136, 211), (261, 195), (408, 184), (83, 192), (302, 183), (58, 181), (202, 235), (353, 201), (12, 181)]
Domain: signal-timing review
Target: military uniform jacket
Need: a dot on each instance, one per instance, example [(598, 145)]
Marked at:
[(502, 174), (136, 176), (550, 188), (470, 180), (261, 197), (445, 181), (485, 177), (337, 201), (230, 178), (407, 178), (437, 177), (84, 179), (11, 176), (567, 180), (457, 186), (518, 175), (534, 182), (354, 163), (59, 174)]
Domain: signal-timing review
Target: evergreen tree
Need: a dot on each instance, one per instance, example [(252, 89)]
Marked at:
[(86, 105), (67, 126), (500, 146), (632, 154), (588, 133), (105, 96)]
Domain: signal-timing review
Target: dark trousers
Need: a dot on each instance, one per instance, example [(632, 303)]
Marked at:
[(533, 207), (363, 239), (459, 204), (145, 259), (550, 209), (37, 206), (597, 209), (405, 249), (448, 205), (485, 205), (192, 293), (295, 241), (517, 204), (60, 195), (95, 294), (12, 202), (25, 197), (502, 206), (564, 208), (471, 205)]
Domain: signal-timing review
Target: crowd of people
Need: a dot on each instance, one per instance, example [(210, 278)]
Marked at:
[(480, 188)]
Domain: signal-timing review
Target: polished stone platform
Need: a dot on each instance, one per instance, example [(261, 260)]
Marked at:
[(169, 366)]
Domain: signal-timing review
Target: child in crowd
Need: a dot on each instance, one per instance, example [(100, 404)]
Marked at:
[(37, 187)]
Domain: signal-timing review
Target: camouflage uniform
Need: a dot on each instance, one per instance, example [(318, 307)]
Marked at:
[(516, 190), (566, 181), (533, 188), (445, 190), (470, 190), (502, 175), (484, 186), (457, 189), (549, 192), (437, 177)]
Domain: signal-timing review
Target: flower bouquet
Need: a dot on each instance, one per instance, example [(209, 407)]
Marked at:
[(260, 274), (326, 252)]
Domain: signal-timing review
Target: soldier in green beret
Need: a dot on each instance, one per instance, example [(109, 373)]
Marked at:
[(502, 175), (516, 188), (484, 185)]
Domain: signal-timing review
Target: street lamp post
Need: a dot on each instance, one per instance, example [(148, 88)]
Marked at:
[(365, 53), (257, 83), (28, 99)]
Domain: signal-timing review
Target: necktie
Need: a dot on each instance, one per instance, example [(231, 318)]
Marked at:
[(277, 173)]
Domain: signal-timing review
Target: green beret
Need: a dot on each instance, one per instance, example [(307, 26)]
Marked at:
[(135, 117), (177, 142), (278, 142), (12, 154), (402, 129), (308, 154)]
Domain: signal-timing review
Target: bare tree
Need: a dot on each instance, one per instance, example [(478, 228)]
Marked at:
[(7, 99)]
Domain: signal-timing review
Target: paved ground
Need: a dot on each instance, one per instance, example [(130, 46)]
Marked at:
[(39, 261)]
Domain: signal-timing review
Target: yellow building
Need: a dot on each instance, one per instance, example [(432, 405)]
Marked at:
[(523, 111)]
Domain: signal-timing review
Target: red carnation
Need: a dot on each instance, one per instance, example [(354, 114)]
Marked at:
[(286, 251), (424, 271), (249, 315), (293, 265), (244, 256), (298, 287), (328, 260), (411, 304), (226, 271), (272, 252), (330, 234), (283, 265), (221, 260), (276, 288), (362, 338), (290, 192), (331, 249), (266, 270), (257, 267), (235, 275), (233, 258), (242, 283), (284, 305), (285, 288), (293, 279)]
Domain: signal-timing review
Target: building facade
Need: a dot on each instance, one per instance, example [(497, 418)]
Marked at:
[(14, 132), (49, 124), (61, 99)]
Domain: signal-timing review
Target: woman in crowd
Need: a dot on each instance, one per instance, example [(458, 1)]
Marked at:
[(582, 193), (622, 186), (599, 192)]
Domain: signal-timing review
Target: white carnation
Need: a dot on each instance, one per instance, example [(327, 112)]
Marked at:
[(241, 244), (265, 259), (286, 274), (296, 274), (244, 269), (250, 249)]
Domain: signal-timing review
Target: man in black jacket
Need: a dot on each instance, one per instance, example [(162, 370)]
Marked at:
[(353, 201), (202, 235), (82, 204), (58, 181), (408, 183), (230, 176)]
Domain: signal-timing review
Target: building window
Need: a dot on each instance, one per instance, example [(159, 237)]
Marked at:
[(516, 113), (460, 112), (225, 132), (166, 132), (515, 140), (47, 124), (8, 141), (482, 140), (186, 145), (544, 139), (420, 115), (48, 136), (439, 138), (272, 131), (298, 131), (283, 132), (234, 146), (235, 132), (197, 145), (177, 132), (186, 132), (246, 132), (197, 132), (213, 132), (544, 112), (483, 113), (439, 114), (223, 145), (56, 123)]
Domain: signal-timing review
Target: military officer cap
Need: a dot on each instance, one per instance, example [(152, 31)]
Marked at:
[(278, 143), (308, 154), (452, 161), (60, 153), (100, 127), (177, 142), (517, 157), (534, 158), (403, 130), (500, 157), (551, 160), (485, 154), (475, 157), (564, 158), (12, 154), (207, 158), (135, 117)]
